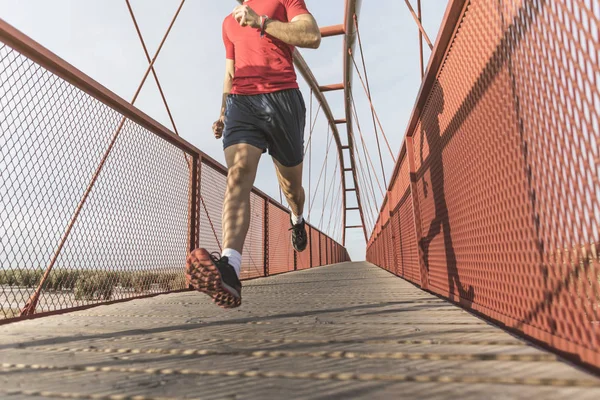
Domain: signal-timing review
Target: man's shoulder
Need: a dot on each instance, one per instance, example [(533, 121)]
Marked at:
[(229, 24), (228, 19)]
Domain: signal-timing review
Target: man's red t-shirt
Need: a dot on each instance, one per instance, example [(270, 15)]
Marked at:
[(262, 64)]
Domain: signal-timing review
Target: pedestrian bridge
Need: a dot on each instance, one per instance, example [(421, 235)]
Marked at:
[(349, 330), (482, 276)]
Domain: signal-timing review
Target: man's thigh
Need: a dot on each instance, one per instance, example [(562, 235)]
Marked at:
[(244, 159)]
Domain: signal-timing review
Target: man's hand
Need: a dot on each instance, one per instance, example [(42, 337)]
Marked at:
[(246, 16), (218, 127)]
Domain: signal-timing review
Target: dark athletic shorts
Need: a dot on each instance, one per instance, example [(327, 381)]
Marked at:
[(271, 121)]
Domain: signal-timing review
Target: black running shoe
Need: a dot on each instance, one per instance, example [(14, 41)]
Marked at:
[(299, 237), (214, 276)]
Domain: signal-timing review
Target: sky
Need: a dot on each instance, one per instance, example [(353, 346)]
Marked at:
[(98, 37)]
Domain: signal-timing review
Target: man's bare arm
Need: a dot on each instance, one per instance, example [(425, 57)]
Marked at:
[(227, 84), (301, 31)]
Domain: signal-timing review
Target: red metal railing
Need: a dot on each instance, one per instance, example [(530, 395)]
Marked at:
[(495, 198), (99, 202)]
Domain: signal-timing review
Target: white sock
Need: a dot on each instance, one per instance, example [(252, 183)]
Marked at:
[(235, 259), (297, 219)]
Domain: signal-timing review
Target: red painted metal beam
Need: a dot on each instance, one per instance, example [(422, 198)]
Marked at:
[(352, 9), (333, 30), (417, 19), (330, 88)]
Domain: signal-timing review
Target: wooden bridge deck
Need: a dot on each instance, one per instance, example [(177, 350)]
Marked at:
[(345, 331)]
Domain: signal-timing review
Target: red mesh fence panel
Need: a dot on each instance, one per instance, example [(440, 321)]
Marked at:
[(399, 268), (212, 190), (506, 166), (281, 251), (408, 251), (102, 193), (407, 240), (391, 254), (303, 258), (389, 248), (253, 254), (213, 183), (131, 235), (314, 247)]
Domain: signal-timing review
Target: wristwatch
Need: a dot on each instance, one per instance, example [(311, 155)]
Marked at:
[(263, 24)]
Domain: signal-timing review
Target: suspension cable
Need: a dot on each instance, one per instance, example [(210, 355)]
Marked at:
[(373, 108), (310, 153), (320, 176), (325, 180), (365, 175), (361, 170), (158, 85), (371, 207), (334, 201), (368, 171), (336, 227), (365, 149), (368, 89), (368, 92), (312, 126), (373, 113), (326, 199)]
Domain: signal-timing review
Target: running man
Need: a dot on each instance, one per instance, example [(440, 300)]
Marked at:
[(262, 109)]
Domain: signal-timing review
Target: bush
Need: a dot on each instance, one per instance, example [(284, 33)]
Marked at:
[(126, 279), (172, 281), (22, 277), (143, 281), (9, 312), (62, 279), (8, 277), (94, 286)]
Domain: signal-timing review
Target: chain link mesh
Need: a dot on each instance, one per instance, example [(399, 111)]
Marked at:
[(118, 196), (53, 138)]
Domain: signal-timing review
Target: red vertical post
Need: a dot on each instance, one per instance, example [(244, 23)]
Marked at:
[(420, 40), (194, 206), (266, 238), (320, 250), (310, 234)]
